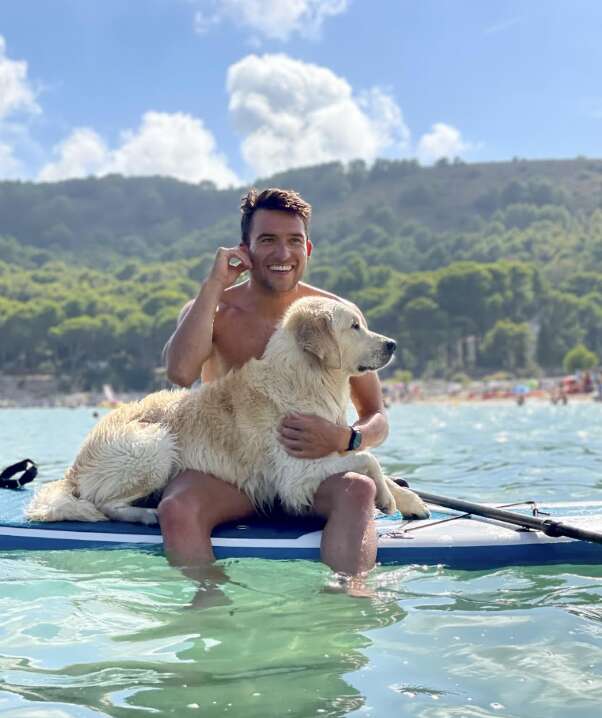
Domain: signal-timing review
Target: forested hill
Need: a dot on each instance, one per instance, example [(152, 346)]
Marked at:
[(471, 267), (435, 215)]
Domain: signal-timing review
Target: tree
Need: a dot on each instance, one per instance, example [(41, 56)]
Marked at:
[(462, 291), (200, 268), (84, 339), (357, 173), (25, 328), (425, 326), (158, 300), (560, 328), (506, 346), (579, 358)]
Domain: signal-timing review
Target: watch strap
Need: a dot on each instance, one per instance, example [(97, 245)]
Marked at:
[(352, 439)]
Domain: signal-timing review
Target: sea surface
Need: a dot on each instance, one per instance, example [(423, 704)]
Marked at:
[(115, 633)]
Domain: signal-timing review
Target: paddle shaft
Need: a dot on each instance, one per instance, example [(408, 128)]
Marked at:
[(548, 526)]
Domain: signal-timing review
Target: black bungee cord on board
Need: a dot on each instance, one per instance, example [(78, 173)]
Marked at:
[(27, 470)]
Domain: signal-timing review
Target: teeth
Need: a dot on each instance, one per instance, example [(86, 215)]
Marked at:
[(281, 267)]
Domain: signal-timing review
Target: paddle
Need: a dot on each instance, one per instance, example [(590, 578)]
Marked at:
[(548, 526)]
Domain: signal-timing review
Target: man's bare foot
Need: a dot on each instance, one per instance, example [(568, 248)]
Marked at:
[(209, 595), (354, 586), (210, 578)]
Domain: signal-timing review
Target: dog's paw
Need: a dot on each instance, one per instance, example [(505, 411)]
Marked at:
[(386, 503), (150, 517), (412, 506)]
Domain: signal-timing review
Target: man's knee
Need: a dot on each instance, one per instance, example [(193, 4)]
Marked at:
[(360, 490), (196, 501), (184, 502), (172, 510), (177, 516), (350, 491)]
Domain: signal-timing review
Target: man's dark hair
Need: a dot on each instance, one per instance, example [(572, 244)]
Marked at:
[(285, 200)]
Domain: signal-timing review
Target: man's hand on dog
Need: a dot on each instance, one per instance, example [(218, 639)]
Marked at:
[(306, 436)]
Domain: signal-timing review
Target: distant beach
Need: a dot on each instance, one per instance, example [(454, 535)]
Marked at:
[(46, 390), (42, 390)]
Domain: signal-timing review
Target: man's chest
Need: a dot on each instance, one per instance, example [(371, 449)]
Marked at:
[(236, 344)]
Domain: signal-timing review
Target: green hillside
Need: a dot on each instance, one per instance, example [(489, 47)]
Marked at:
[(97, 221), (504, 257)]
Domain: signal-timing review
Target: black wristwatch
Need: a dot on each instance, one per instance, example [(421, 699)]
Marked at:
[(355, 441)]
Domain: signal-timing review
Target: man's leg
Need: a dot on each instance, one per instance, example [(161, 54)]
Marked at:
[(192, 505), (349, 537)]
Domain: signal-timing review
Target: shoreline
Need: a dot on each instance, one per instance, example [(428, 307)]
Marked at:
[(46, 391), (76, 400), (96, 400)]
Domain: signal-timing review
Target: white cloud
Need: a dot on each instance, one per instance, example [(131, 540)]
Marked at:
[(10, 167), (443, 141), (271, 19), (16, 95), (82, 154), (175, 145), (292, 114), (172, 144), (17, 101)]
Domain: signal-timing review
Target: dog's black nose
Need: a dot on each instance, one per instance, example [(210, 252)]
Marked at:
[(391, 345)]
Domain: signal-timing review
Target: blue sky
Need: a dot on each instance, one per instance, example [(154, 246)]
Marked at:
[(229, 90)]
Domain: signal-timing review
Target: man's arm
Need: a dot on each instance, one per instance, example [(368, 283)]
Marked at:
[(192, 343), (372, 422)]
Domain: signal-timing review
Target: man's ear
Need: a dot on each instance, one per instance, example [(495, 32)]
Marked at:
[(315, 336), (310, 247)]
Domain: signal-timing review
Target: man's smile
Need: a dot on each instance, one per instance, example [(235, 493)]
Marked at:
[(280, 267)]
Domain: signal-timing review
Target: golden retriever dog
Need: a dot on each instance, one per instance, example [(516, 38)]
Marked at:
[(229, 428)]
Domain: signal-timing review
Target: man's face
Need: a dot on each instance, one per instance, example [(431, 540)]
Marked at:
[(278, 247)]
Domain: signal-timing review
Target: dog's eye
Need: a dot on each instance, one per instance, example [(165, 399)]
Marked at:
[(355, 325)]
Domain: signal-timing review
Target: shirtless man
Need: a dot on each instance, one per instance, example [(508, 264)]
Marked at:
[(222, 328)]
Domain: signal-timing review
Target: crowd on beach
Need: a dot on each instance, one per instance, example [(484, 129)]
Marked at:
[(556, 390), (580, 386)]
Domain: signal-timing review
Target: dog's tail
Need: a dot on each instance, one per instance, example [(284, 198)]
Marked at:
[(56, 501)]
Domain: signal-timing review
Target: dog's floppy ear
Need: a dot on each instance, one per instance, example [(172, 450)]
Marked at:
[(314, 334)]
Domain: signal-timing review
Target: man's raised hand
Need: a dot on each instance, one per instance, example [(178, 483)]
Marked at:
[(229, 264)]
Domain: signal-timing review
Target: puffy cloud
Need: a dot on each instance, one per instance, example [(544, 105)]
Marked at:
[(292, 114), (16, 95), (272, 19), (175, 145), (17, 98), (83, 153), (172, 144), (443, 141)]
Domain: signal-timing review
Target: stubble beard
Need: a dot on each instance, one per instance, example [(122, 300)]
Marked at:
[(272, 284), (268, 281)]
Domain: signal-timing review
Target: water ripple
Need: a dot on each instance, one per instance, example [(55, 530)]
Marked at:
[(114, 634)]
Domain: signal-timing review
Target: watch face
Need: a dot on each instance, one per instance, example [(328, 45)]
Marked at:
[(357, 439)]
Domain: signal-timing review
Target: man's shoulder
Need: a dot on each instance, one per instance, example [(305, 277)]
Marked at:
[(234, 300), (230, 303), (232, 306)]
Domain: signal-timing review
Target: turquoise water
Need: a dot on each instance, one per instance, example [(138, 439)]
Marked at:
[(86, 633)]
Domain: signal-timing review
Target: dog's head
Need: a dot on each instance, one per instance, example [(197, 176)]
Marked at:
[(334, 334)]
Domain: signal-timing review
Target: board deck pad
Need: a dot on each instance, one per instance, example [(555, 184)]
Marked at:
[(446, 539)]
